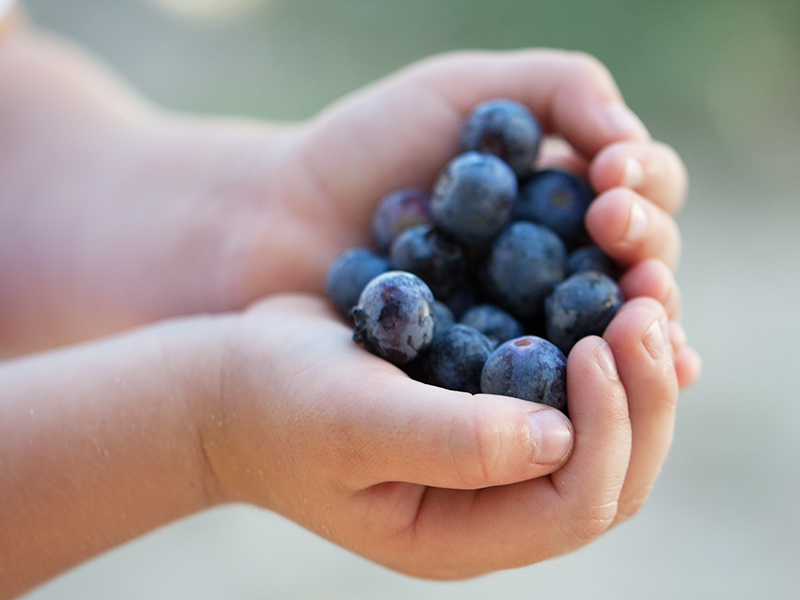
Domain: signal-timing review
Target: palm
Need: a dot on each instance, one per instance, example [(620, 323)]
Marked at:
[(404, 473)]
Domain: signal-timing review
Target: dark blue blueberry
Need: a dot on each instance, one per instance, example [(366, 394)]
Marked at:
[(506, 129), (465, 298), (394, 318), (473, 197), (558, 200), (444, 317), (530, 368), (580, 306), (592, 258), (350, 273), (398, 211), (455, 359), (432, 255), (493, 322), (524, 264)]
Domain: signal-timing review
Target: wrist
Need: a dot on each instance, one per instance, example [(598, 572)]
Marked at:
[(100, 444)]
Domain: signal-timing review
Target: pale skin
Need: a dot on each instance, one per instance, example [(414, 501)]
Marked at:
[(119, 217)]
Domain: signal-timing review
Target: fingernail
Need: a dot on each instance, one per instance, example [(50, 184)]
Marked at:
[(655, 339), (551, 436), (625, 123), (605, 359), (633, 173), (637, 223)]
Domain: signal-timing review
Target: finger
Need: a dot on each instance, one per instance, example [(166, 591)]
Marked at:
[(506, 526), (688, 366), (572, 93), (639, 337), (591, 481), (652, 169), (556, 153), (631, 229), (428, 435), (402, 130), (677, 337), (654, 279)]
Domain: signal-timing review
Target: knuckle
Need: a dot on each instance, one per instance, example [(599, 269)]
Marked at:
[(631, 506), (594, 520), (588, 68), (476, 449)]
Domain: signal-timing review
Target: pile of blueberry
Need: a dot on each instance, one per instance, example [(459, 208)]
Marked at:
[(486, 283)]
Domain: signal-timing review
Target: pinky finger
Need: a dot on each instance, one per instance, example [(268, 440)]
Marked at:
[(688, 366)]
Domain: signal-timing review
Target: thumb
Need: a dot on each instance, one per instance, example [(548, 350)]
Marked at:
[(426, 435)]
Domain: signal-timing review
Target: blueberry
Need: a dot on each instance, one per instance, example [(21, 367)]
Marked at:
[(524, 264), (455, 359), (432, 255), (395, 317), (473, 197), (398, 211), (580, 306), (506, 129), (350, 273), (592, 258), (493, 322), (444, 317), (530, 368), (558, 200), (465, 298)]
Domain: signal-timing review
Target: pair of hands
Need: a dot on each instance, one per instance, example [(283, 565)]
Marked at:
[(185, 216), (428, 481)]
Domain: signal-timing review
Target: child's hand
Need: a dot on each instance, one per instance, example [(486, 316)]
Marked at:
[(278, 407), (403, 130), (427, 481), (126, 214)]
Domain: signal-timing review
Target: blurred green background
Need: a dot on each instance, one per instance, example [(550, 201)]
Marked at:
[(720, 81)]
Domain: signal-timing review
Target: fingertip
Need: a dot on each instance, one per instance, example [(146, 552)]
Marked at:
[(552, 437), (591, 365), (654, 279), (640, 321), (623, 124), (651, 168), (688, 367), (614, 166), (677, 335), (631, 229)]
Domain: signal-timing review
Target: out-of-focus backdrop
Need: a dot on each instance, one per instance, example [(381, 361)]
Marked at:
[(717, 79)]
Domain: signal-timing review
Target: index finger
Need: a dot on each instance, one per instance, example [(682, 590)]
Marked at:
[(572, 93), (401, 130)]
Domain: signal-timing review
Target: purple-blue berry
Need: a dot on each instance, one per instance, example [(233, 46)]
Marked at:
[(473, 197), (444, 317), (493, 322), (529, 368), (455, 359), (432, 255), (592, 258), (506, 129), (396, 212), (558, 200), (580, 306), (524, 264), (395, 316), (348, 276)]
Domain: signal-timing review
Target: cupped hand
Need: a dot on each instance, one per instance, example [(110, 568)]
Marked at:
[(401, 131), (427, 481)]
